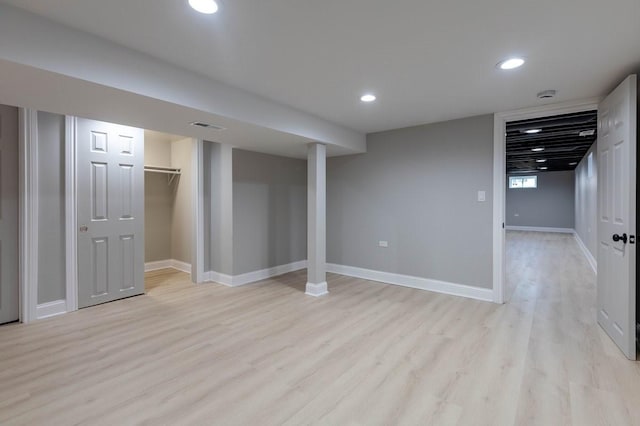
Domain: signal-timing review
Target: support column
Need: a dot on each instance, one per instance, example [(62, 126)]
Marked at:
[(316, 220)]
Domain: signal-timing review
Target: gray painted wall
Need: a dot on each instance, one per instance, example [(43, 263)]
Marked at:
[(417, 189), (218, 206), (586, 196), (269, 211), (550, 205), (51, 208)]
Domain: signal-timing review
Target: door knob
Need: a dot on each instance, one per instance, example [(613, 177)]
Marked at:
[(84, 228), (622, 238)]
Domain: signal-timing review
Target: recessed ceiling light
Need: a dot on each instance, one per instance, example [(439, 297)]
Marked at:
[(539, 149), (204, 6), (541, 160), (533, 131), (573, 163), (368, 98), (511, 63), (543, 168)]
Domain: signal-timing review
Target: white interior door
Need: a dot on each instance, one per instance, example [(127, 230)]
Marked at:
[(617, 215), (110, 212), (9, 303)]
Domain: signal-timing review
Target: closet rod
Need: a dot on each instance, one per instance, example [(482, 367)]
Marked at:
[(171, 172), (168, 170)]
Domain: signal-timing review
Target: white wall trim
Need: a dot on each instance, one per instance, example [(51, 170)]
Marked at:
[(499, 182), (51, 309), (197, 197), (167, 263), (157, 265), (28, 215), (181, 266), (255, 276), (484, 294), (592, 260), (218, 277), (499, 188), (71, 206), (317, 289), (540, 229), (263, 274)]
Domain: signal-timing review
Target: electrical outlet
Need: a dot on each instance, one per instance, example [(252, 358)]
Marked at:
[(384, 244)]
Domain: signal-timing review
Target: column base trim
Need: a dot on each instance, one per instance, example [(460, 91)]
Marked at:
[(316, 290)]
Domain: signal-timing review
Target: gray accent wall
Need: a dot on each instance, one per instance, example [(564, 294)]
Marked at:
[(269, 211), (550, 205), (586, 196), (416, 188), (218, 207), (51, 208)]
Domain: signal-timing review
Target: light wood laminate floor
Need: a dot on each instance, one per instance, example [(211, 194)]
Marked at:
[(366, 354)]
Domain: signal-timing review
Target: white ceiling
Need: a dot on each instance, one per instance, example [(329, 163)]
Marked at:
[(426, 61)]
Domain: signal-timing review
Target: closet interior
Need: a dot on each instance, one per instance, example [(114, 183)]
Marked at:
[(168, 201)]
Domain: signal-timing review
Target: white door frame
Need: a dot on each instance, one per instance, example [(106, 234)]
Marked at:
[(500, 121), (28, 213), (197, 211), (71, 210)]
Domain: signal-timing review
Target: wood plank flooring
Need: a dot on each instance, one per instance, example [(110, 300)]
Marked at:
[(366, 354)]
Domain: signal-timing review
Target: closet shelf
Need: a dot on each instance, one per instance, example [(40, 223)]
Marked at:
[(170, 171)]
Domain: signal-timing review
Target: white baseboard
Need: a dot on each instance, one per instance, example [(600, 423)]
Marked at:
[(157, 265), (316, 290), (217, 277), (540, 229), (252, 277), (592, 260), (485, 294), (51, 309), (181, 266), (168, 263)]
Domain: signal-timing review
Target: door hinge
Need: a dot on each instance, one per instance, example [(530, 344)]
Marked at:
[(632, 239), (502, 225)]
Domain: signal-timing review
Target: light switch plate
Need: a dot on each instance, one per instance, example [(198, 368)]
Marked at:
[(383, 244), (482, 196)]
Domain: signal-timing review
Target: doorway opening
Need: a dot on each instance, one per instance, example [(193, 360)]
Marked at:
[(168, 170), (551, 190)]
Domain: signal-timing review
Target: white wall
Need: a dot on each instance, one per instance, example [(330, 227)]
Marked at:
[(586, 200)]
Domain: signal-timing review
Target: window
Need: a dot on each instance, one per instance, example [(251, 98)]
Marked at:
[(520, 182)]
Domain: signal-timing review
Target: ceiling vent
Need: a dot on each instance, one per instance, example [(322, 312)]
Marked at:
[(207, 125), (547, 94)]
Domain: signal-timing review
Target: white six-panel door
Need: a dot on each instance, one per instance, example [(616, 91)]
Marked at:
[(617, 215), (110, 212), (9, 287)]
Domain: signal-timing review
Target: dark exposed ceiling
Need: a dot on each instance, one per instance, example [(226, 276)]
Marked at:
[(560, 137)]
